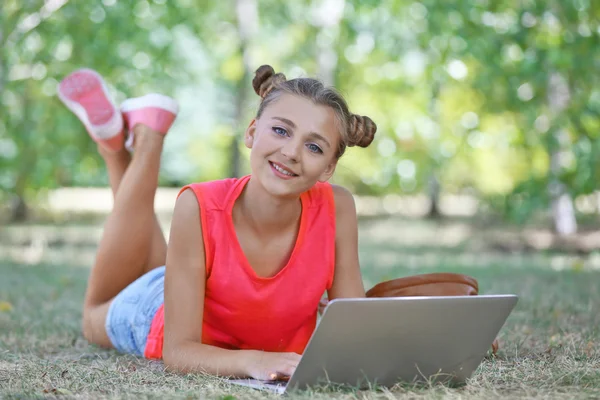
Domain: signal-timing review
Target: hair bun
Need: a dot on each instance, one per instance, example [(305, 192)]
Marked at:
[(361, 131), (265, 79)]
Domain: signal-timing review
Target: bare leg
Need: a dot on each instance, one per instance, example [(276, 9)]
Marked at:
[(117, 164), (124, 250)]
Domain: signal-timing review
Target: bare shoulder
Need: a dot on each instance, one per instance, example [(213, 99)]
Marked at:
[(186, 222), (344, 201), (347, 281), (186, 205)]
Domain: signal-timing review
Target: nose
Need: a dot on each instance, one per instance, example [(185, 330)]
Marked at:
[(291, 150)]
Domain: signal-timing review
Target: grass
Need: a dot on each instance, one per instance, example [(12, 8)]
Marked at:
[(549, 347)]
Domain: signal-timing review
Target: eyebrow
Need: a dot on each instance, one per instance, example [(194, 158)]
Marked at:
[(314, 135)]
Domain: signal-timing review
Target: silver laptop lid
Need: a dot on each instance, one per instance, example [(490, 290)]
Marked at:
[(381, 341)]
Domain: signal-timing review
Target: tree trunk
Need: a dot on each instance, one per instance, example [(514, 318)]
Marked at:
[(234, 149), (19, 211), (25, 168), (247, 24), (327, 18), (563, 211), (433, 183), (433, 192), (3, 61)]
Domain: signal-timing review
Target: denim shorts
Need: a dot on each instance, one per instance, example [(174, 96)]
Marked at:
[(131, 312)]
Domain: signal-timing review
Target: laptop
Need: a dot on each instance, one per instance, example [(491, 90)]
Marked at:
[(375, 342)]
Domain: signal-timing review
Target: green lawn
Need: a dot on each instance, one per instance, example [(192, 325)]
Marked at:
[(548, 347)]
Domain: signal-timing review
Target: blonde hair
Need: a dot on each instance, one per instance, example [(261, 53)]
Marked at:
[(355, 130)]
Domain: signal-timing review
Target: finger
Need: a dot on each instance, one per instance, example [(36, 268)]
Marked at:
[(283, 377), (280, 377)]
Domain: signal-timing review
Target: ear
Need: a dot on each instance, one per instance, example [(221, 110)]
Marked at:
[(328, 173), (249, 135)]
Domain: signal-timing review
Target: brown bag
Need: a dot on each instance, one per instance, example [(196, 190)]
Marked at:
[(435, 284)]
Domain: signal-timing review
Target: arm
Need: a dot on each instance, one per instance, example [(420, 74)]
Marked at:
[(347, 279), (185, 282)]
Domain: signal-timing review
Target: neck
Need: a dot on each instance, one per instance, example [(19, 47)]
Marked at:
[(266, 213)]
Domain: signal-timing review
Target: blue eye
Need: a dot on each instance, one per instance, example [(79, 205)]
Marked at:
[(314, 148), (279, 131)]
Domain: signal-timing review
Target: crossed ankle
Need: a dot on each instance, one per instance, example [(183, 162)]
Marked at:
[(105, 153), (145, 136)]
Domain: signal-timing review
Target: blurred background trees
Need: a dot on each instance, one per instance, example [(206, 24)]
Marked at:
[(500, 100)]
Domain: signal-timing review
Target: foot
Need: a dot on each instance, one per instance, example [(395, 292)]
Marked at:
[(85, 93), (154, 110)]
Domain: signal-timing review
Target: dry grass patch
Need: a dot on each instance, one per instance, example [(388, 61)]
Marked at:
[(550, 346)]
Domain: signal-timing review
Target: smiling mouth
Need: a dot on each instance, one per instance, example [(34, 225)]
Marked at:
[(282, 170)]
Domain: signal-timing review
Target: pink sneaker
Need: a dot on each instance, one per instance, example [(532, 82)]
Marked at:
[(84, 92), (153, 110)]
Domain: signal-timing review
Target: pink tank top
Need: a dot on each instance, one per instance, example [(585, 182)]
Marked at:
[(243, 310)]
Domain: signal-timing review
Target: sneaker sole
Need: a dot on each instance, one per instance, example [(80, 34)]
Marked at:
[(85, 93)]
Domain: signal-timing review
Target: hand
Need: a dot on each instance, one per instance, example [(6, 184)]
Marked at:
[(270, 366)]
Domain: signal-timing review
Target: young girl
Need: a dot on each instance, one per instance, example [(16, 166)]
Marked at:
[(248, 259)]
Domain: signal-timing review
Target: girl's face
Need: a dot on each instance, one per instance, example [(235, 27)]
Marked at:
[(293, 145)]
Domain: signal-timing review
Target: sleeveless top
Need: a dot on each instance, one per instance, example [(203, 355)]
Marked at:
[(243, 310)]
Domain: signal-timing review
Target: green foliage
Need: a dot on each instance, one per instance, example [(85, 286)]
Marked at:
[(461, 91)]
